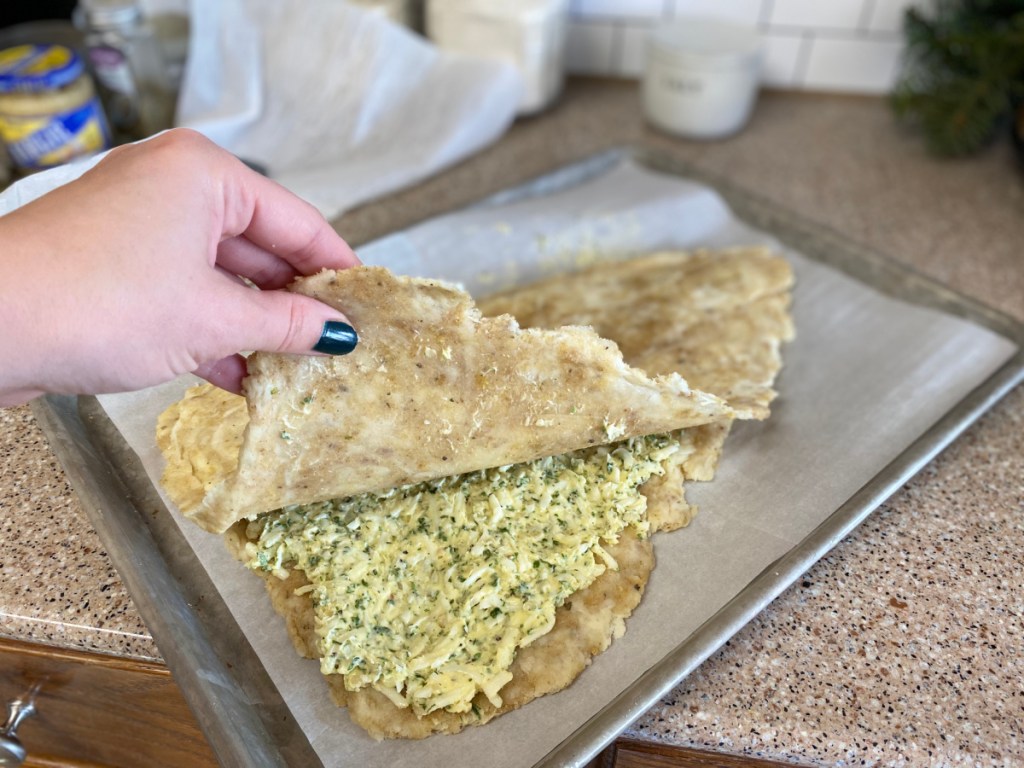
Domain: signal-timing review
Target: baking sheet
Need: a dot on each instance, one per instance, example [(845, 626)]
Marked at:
[(866, 376)]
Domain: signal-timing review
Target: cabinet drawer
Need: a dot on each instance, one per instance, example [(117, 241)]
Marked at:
[(100, 710), (96, 711)]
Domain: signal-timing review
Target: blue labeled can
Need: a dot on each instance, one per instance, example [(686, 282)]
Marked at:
[(49, 111)]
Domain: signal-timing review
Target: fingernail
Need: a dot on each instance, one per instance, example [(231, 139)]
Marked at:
[(338, 338)]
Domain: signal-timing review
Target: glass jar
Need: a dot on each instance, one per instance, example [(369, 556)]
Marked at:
[(702, 77), (49, 112), (125, 54)]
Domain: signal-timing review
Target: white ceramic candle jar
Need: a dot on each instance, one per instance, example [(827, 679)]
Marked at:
[(702, 77)]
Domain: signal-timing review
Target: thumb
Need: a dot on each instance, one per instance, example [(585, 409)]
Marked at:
[(280, 321)]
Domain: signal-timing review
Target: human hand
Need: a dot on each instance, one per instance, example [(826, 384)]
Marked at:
[(127, 276)]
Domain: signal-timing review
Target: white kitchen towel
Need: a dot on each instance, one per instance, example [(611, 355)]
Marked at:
[(339, 104)]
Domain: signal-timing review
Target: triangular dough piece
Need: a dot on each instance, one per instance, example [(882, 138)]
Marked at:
[(433, 389), (716, 317)]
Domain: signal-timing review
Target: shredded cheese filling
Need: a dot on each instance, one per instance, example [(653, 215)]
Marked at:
[(425, 592)]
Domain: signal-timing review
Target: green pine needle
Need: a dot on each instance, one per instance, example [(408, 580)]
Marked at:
[(963, 72)]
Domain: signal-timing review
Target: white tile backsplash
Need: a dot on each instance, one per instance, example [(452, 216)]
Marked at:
[(588, 47), (887, 15), (782, 55), (634, 49), (741, 11), (852, 65), (846, 45), (620, 8), (817, 14)]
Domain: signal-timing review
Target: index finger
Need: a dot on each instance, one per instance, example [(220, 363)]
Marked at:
[(282, 223)]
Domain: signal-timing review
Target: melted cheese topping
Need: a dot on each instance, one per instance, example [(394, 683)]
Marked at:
[(425, 592)]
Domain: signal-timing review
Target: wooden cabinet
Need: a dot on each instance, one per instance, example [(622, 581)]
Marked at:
[(95, 710)]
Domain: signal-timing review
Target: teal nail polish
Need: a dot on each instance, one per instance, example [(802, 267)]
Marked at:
[(337, 338)]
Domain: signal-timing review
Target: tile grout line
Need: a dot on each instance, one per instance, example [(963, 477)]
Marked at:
[(615, 52), (836, 33), (803, 59), (610, 58), (866, 12)]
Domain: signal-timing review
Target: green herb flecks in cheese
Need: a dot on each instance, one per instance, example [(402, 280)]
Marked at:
[(426, 592)]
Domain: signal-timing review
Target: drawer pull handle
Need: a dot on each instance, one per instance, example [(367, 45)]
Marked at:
[(12, 751)]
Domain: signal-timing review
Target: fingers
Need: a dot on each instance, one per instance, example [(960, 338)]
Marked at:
[(279, 321), (249, 209), (272, 218), (239, 256), (226, 373)]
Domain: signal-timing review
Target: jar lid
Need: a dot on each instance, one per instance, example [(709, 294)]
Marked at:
[(707, 43), (35, 68), (111, 14)]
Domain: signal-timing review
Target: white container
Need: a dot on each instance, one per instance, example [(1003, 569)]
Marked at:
[(702, 77), (529, 33), (398, 11)]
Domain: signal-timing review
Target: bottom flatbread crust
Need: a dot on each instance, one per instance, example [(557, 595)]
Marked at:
[(584, 627), (742, 364), (697, 459)]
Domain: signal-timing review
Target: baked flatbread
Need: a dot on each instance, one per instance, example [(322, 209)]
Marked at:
[(433, 389), (718, 318), (739, 362)]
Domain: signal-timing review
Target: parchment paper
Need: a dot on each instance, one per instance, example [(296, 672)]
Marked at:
[(866, 376)]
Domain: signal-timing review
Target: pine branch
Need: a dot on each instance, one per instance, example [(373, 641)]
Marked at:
[(963, 72)]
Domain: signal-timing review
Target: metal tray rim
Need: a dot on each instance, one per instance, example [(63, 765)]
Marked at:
[(660, 678), (231, 720)]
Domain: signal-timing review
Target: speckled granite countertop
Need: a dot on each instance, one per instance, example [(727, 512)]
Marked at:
[(905, 645)]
